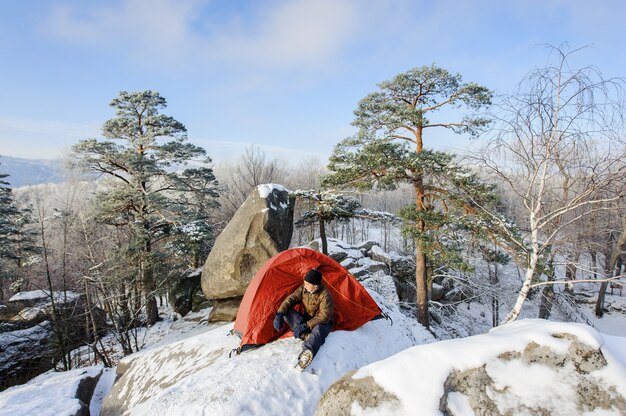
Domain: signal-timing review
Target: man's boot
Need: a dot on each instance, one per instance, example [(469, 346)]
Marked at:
[(305, 358)]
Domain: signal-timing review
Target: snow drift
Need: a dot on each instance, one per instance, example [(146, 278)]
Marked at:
[(523, 368)]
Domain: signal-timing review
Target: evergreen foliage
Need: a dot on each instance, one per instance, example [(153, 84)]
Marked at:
[(17, 238), (160, 187), (379, 156)]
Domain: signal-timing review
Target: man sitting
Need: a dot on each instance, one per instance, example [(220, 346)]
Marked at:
[(317, 321)]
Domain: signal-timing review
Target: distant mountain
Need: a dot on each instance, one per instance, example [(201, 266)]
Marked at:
[(24, 172)]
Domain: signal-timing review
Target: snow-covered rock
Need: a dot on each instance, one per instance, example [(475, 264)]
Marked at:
[(261, 228), (196, 376), (378, 254), (526, 367), (338, 250), (25, 353), (52, 394), (41, 298)]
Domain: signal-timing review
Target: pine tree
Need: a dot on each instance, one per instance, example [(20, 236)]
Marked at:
[(378, 156), (153, 191), (17, 239)]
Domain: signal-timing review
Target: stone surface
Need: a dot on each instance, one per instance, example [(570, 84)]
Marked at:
[(437, 292), (346, 393), (140, 377), (518, 380), (224, 310), (185, 293), (486, 395), (27, 340), (261, 228), (66, 393), (25, 353)]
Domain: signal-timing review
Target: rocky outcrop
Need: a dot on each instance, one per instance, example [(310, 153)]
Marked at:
[(487, 395), (142, 377), (25, 353), (261, 228), (185, 294), (348, 393), (27, 342), (528, 367), (65, 393)]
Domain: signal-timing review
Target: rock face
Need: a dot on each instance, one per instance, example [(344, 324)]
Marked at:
[(528, 367), (347, 393), (27, 341), (487, 396), (25, 353), (261, 228), (185, 294)]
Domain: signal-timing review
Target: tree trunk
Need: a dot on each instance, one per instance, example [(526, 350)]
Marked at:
[(323, 236), (610, 267), (421, 278), (547, 294), (528, 278), (421, 286), (570, 274)]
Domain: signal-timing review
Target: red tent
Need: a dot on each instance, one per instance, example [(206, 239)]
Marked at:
[(280, 276)]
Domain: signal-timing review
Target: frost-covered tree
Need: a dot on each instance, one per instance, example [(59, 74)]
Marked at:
[(327, 206), (17, 238), (8, 211), (378, 156), (558, 150), (158, 182)]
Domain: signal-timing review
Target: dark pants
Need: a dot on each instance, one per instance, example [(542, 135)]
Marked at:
[(318, 333)]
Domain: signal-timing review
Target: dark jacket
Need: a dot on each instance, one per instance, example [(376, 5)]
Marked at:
[(318, 305)]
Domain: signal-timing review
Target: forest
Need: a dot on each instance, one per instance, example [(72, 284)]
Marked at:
[(541, 188)]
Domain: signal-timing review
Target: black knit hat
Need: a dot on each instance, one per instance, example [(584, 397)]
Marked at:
[(313, 276)]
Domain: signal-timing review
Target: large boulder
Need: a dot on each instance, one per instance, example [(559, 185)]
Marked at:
[(527, 367), (261, 228), (25, 353)]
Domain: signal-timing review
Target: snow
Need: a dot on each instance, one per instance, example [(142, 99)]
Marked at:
[(610, 323), (50, 394), (538, 385), (336, 246), (102, 389), (266, 189), (185, 368), (43, 295), (195, 376), (36, 333)]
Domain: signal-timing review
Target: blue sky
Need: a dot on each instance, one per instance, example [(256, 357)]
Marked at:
[(283, 75)]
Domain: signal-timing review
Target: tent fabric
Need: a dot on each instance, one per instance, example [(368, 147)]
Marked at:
[(280, 276)]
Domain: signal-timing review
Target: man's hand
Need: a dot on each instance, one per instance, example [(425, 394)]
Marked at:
[(278, 321), (300, 329)]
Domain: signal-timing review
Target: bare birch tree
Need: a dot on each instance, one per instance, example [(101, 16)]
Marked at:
[(556, 148)]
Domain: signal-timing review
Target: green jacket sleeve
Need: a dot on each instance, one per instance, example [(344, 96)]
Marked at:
[(291, 300), (325, 312)]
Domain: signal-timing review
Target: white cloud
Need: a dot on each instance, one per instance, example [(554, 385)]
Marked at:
[(275, 34), (46, 139), (158, 28), (293, 33)]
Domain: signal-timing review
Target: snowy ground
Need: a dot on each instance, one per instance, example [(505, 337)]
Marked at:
[(204, 380)]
